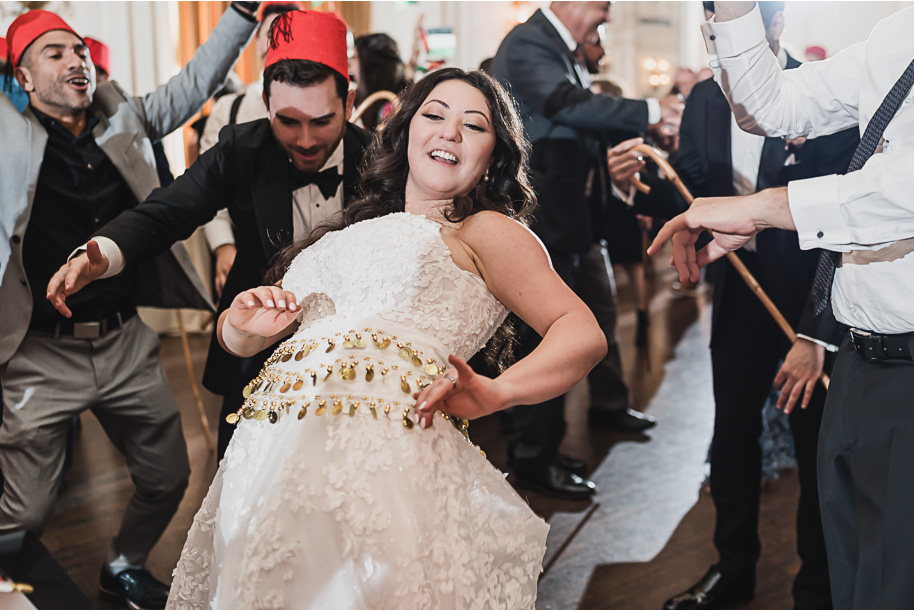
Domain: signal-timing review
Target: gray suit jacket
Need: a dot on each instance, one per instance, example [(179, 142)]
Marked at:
[(128, 127), (567, 125)]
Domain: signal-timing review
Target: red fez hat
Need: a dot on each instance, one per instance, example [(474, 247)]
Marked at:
[(3, 48), (28, 27), (816, 50), (101, 54), (284, 7), (310, 35)]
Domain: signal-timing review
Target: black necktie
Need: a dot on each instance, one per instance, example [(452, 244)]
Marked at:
[(828, 260), (327, 180)]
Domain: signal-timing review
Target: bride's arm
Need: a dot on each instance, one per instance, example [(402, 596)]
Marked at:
[(517, 270), (257, 318)]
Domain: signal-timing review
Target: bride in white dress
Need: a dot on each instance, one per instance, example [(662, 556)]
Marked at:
[(344, 486)]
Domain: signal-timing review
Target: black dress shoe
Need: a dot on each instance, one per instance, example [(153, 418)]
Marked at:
[(136, 588), (714, 591), (628, 420), (575, 466), (555, 482)]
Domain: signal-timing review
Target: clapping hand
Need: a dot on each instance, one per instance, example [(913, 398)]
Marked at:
[(459, 392)]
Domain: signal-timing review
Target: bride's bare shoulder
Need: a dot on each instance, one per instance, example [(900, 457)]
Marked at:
[(488, 230)]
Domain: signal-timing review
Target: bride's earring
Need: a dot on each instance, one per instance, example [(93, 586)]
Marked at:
[(486, 176)]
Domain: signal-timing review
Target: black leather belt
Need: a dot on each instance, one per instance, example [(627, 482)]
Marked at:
[(84, 330), (884, 347)]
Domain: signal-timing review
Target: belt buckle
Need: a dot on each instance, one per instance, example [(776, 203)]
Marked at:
[(856, 336), (87, 331), (866, 343)]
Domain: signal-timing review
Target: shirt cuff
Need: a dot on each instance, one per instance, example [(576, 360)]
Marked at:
[(831, 348), (731, 38), (653, 111), (110, 250), (218, 233), (248, 10), (816, 214)]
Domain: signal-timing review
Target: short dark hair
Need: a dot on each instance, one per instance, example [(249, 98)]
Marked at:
[(303, 73), (768, 10)]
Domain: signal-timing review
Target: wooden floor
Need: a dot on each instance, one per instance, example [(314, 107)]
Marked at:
[(646, 536)]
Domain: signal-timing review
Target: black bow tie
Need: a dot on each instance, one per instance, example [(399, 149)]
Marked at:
[(328, 181)]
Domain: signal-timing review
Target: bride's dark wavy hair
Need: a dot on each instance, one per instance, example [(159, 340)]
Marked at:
[(382, 187)]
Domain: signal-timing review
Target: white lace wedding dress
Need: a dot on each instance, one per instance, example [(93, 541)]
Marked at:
[(328, 496)]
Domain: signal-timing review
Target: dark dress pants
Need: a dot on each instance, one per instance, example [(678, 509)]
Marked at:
[(866, 468), (537, 431), (745, 357)]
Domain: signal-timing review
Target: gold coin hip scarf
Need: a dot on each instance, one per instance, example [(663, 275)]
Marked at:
[(356, 372)]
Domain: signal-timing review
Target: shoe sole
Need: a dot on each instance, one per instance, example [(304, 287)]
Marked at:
[(625, 430), (544, 491), (107, 595)]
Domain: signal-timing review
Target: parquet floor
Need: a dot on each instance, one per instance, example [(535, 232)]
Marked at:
[(646, 536)]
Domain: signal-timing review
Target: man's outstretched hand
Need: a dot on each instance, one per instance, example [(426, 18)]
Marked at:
[(74, 275), (732, 222)]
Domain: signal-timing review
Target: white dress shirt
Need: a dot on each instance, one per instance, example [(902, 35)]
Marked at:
[(309, 208), (869, 214), (252, 108), (746, 155)]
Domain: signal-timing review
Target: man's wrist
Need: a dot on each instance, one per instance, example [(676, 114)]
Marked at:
[(831, 348), (772, 210), (248, 10), (727, 11)]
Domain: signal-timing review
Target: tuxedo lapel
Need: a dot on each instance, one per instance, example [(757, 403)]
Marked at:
[(555, 39), (272, 200)]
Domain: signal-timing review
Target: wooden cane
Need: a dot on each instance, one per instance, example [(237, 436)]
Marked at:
[(378, 95), (193, 383), (731, 257)]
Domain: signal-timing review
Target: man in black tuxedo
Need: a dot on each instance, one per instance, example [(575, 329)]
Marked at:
[(716, 158), (541, 64), (278, 178)]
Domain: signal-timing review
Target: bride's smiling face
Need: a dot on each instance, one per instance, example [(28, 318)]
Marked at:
[(451, 139)]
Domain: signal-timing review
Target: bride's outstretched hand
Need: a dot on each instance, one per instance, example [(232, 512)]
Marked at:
[(263, 311), (459, 392)]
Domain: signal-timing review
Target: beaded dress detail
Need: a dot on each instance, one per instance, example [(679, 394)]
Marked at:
[(328, 495)]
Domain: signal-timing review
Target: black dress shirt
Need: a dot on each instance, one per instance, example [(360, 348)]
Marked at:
[(78, 191)]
